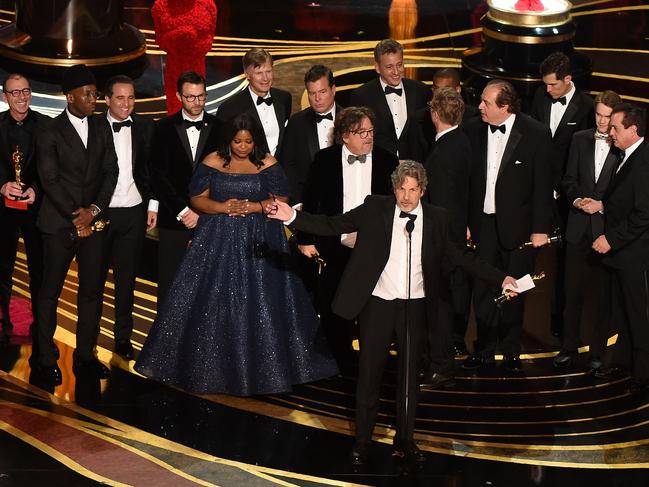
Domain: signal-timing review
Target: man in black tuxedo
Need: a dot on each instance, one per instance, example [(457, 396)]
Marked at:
[(340, 178), (591, 163), (271, 107), (78, 170), (132, 210), (448, 167), (559, 105), (510, 204), (625, 244), (378, 287), (18, 129), (310, 130), (180, 142), (395, 101)]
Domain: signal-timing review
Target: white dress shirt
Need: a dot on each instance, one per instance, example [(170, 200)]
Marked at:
[(193, 134), (393, 282), (557, 109), (496, 143), (602, 148), (326, 129), (398, 107), (268, 121), (80, 125), (357, 185), (628, 152)]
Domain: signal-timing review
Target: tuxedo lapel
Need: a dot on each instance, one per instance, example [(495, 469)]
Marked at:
[(590, 159), (202, 140), (280, 113), (312, 134), (547, 108), (484, 142), (571, 111), (512, 142), (388, 221), (70, 135), (184, 140), (383, 110), (610, 165)]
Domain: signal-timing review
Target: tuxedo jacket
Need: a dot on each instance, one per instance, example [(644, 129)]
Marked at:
[(579, 115), (626, 213), (172, 164), (373, 221), (579, 182), (323, 192), (299, 148), (243, 102), (141, 142), (411, 144), (428, 127), (448, 167), (523, 185), (29, 173), (73, 176)]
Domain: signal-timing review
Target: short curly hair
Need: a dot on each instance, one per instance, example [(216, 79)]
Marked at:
[(349, 119)]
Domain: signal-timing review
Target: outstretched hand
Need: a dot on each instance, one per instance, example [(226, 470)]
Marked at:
[(278, 210)]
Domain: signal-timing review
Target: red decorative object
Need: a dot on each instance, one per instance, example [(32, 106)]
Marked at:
[(20, 311), (184, 29), (529, 6)]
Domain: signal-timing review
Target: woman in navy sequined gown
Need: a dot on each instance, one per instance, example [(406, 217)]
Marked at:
[(237, 319)]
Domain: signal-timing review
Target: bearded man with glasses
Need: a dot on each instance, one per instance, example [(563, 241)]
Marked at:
[(339, 180), (180, 142), (18, 128)]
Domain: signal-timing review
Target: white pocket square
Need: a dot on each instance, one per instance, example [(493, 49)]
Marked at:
[(571, 123), (518, 162)]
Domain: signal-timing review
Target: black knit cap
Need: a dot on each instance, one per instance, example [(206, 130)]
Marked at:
[(77, 76)]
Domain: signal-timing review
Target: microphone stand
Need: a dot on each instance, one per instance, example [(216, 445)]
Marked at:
[(410, 226)]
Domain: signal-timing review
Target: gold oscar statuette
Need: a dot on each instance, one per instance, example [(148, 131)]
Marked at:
[(98, 226), (16, 202)]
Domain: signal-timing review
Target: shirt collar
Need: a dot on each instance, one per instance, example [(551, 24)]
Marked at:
[(197, 119), (74, 119), (254, 95), (419, 210), (384, 84), (111, 119), (443, 132), (631, 150)]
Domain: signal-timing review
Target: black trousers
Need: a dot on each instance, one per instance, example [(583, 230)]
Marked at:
[(59, 251), (499, 327), (584, 269), (13, 224), (171, 249), (122, 248), (379, 321), (630, 304)]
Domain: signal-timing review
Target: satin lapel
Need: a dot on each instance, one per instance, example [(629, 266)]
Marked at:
[(91, 156), (184, 140), (571, 110), (610, 165), (202, 141), (512, 142), (337, 181), (280, 113), (483, 140), (135, 143), (427, 237), (312, 134), (388, 221), (590, 159), (71, 136), (382, 106)]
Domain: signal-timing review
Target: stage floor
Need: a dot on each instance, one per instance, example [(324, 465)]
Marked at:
[(541, 428)]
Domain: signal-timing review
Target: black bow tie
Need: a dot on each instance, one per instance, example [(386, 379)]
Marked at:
[(493, 128), (319, 118), (117, 126), (561, 100), (268, 101), (600, 136), (351, 158), (391, 89), (410, 216), (198, 124)]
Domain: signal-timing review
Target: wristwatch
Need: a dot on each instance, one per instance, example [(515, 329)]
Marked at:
[(94, 210)]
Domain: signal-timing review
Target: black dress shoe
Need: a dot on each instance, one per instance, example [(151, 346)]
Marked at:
[(47, 377), (513, 363), (473, 361), (91, 368), (437, 379), (564, 360), (408, 451), (459, 348), (124, 349), (607, 373)]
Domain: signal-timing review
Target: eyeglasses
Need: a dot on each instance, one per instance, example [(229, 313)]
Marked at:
[(193, 98), (17, 93), (92, 94), (363, 134)]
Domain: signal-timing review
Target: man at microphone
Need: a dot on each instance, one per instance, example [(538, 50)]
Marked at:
[(391, 283)]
